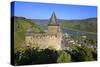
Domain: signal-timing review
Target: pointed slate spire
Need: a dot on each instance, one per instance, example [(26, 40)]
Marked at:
[(53, 19)]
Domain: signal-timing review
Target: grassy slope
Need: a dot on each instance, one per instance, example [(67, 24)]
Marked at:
[(20, 26), (88, 25)]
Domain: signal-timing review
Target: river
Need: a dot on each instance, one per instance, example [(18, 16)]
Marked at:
[(80, 33)]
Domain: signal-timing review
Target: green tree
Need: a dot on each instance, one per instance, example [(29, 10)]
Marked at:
[(82, 53), (64, 57), (35, 56), (48, 56)]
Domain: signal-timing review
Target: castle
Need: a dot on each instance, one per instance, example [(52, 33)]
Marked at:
[(50, 39)]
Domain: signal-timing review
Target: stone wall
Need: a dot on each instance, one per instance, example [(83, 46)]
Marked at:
[(53, 29), (44, 40)]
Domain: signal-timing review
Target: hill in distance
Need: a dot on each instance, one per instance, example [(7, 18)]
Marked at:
[(88, 25)]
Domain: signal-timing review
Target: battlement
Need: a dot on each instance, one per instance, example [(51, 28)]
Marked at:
[(43, 35)]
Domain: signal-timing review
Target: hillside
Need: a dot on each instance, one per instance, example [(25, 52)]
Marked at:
[(88, 25), (21, 24)]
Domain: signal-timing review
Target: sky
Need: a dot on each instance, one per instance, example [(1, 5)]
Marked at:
[(33, 10)]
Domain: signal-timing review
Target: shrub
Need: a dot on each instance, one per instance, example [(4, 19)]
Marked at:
[(64, 57)]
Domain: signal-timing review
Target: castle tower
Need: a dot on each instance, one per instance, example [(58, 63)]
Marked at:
[(50, 39), (53, 26)]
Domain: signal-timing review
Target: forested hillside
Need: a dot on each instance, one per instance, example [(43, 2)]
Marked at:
[(21, 24), (88, 25)]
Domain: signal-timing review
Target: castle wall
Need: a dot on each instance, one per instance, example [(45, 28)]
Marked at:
[(54, 42), (53, 29), (44, 41)]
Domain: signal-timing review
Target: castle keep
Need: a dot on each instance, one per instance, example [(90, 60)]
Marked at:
[(50, 39)]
